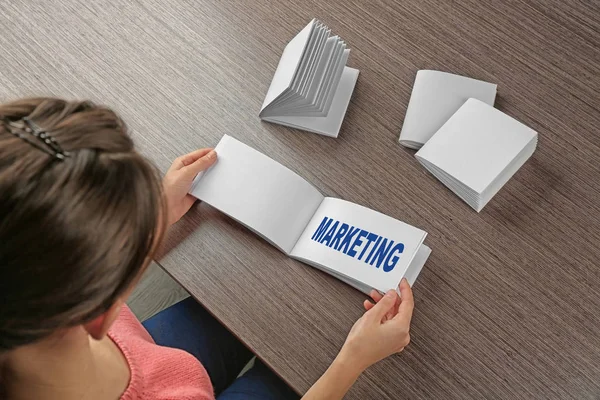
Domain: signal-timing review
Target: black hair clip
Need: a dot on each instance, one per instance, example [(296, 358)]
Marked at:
[(51, 146)]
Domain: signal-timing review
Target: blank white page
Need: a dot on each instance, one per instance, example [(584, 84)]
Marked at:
[(476, 144), (307, 101), (293, 92), (329, 125), (288, 64), (435, 97), (258, 192)]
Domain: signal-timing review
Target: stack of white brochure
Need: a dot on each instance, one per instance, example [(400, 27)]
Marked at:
[(435, 97), (477, 151), (312, 85), (359, 246)]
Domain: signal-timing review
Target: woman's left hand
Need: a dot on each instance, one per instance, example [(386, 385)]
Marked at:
[(178, 181)]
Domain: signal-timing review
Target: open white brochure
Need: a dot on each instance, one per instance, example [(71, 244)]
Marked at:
[(359, 246), (435, 97), (312, 85)]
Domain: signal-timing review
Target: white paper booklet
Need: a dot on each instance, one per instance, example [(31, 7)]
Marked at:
[(435, 97), (477, 151), (312, 85), (359, 246)]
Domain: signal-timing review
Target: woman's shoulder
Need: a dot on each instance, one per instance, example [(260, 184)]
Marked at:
[(157, 372), (127, 325)]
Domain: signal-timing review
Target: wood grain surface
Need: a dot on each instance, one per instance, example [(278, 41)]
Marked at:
[(507, 305)]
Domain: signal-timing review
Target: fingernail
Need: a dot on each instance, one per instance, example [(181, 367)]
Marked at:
[(212, 154), (390, 293)]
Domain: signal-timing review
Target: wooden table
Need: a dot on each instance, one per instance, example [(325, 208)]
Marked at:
[(507, 305)]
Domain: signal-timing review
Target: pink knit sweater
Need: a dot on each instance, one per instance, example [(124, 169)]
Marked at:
[(157, 373)]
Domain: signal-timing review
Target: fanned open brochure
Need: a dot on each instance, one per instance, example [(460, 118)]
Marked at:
[(364, 248), (312, 85)]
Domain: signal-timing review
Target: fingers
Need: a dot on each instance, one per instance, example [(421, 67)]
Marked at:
[(200, 164), (407, 303), (406, 294), (375, 295), (389, 315), (379, 310), (190, 158)]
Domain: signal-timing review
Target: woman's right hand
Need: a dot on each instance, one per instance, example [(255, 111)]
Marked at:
[(383, 330)]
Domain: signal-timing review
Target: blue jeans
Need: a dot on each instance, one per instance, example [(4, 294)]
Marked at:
[(188, 326)]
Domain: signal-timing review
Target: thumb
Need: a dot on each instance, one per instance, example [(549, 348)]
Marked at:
[(383, 306), (407, 303), (200, 164)]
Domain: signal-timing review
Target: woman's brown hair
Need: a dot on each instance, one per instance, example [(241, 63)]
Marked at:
[(74, 233)]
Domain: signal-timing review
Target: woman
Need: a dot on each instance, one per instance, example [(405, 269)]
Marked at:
[(81, 216)]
